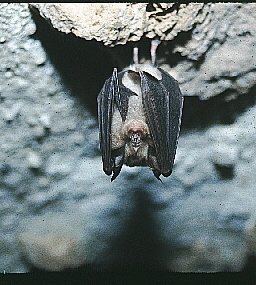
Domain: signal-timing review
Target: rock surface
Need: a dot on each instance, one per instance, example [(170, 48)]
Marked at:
[(119, 23), (217, 53), (55, 199)]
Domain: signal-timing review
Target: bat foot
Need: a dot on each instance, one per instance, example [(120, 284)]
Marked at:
[(157, 174), (136, 55), (113, 178), (154, 44), (116, 172)]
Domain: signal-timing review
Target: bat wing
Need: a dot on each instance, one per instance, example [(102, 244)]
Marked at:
[(105, 111), (112, 94), (162, 101)]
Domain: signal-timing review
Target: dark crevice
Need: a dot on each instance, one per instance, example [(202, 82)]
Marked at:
[(180, 40), (150, 7), (230, 77), (226, 172), (201, 114), (175, 6), (170, 29)]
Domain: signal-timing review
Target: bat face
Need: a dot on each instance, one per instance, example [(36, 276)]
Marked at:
[(139, 112)]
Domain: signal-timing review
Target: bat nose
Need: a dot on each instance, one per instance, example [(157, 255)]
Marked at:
[(135, 139)]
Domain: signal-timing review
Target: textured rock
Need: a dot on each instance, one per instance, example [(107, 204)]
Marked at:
[(167, 20), (52, 242), (218, 55), (57, 241), (224, 46), (119, 23), (105, 22)]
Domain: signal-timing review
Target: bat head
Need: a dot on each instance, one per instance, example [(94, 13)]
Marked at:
[(136, 131)]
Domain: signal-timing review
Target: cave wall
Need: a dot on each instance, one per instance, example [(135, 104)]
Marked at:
[(56, 202)]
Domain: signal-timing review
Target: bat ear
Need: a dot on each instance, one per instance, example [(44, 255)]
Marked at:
[(134, 76), (148, 77), (154, 44)]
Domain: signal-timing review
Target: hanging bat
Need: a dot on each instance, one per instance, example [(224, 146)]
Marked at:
[(139, 113)]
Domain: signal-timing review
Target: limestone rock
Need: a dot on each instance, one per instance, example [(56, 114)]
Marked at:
[(108, 23), (119, 23), (215, 42)]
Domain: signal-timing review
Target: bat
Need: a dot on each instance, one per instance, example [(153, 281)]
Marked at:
[(139, 114)]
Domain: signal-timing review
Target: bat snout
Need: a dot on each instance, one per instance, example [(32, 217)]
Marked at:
[(135, 137), (136, 131)]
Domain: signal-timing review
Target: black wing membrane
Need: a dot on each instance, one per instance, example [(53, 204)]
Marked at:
[(112, 94), (122, 97), (162, 101), (175, 110), (105, 111)]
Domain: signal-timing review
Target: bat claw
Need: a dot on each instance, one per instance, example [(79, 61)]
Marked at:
[(136, 55), (113, 178), (116, 172), (154, 44), (157, 174)]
